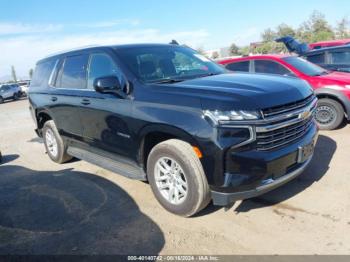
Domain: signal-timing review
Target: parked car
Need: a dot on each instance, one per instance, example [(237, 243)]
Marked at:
[(166, 114), (331, 43), (332, 88), (335, 58), (24, 85), (9, 91)]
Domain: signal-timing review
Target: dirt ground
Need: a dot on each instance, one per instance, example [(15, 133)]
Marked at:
[(78, 208)]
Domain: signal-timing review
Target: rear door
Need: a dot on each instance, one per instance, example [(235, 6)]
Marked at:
[(105, 117), (68, 94)]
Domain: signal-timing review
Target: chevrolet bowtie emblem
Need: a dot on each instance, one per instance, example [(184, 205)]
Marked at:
[(304, 114)]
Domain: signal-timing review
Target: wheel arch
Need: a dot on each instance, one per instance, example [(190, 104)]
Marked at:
[(337, 96), (42, 116), (152, 135)]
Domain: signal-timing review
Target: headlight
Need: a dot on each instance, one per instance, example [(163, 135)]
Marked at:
[(233, 115)]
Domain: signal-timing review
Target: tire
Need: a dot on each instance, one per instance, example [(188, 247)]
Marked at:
[(15, 96), (329, 114), (1, 100), (190, 172), (53, 139)]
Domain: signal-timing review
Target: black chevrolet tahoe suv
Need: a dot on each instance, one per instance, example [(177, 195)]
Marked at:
[(168, 115)]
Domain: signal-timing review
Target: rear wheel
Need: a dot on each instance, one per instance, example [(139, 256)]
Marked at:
[(55, 147), (329, 114), (176, 176)]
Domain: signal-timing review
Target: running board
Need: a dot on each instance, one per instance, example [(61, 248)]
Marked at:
[(121, 168)]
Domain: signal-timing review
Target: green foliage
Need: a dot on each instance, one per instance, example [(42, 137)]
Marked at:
[(315, 29), (13, 73), (31, 71), (234, 49)]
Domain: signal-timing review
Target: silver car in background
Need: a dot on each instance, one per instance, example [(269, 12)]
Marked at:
[(9, 91)]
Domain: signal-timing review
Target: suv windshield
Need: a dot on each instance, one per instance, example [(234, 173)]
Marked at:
[(164, 64), (304, 66)]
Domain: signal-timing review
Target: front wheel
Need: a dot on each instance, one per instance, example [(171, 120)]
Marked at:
[(15, 96), (329, 114), (177, 179), (55, 147)]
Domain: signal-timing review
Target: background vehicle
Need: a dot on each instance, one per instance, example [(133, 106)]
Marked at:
[(332, 88), (330, 43), (335, 57), (24, 85), (9, 91), (166, 114)]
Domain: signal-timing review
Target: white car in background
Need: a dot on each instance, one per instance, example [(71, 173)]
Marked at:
[(24, 86)]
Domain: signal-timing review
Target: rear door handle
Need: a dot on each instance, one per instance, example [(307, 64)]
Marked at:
[(85, 102), (53, 99)]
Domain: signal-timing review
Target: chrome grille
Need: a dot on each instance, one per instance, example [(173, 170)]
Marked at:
[(285, 124), (288, 107)]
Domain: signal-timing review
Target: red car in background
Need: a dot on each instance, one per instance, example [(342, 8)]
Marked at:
[(332, 88)]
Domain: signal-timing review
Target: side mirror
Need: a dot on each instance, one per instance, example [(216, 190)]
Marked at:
[(107, 84)]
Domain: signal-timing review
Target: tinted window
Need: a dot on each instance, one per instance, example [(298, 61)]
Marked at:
[(270, 67), (42, 73), (162, 63), (317, 59), (239, 66), (341, 57), (101, 65), (304, 66), (74, 72)]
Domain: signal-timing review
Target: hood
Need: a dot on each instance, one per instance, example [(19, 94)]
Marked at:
[(336, 78), (243, 91), (293, 45)]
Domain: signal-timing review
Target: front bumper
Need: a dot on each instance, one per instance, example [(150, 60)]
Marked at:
[(222, 199), (250, 173)]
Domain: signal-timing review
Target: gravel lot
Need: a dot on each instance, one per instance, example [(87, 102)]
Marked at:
[(78, 208)]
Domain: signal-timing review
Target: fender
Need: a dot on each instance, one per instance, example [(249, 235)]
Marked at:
[(337, 94)]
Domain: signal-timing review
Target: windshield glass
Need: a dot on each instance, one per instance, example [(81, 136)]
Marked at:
[(304, 66), (163, 64)]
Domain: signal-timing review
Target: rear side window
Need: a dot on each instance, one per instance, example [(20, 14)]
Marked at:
[(73, 74), (341, 57), (42, 73), (239, 66), (270, 67), (317, 59)]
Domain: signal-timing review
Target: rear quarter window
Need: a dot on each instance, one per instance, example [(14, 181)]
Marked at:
[(42, 73)]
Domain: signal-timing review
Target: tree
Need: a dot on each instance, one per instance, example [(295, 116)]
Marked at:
[(234, 49), (31, 71), (200, 50), (268, 35), (343, 29), (315, 29), (284, 30), (13, 73), (215, 55)]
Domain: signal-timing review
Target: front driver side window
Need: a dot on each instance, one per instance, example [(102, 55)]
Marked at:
[(101, 65), (271, 67)]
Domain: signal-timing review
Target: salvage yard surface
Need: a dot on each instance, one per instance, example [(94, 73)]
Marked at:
[(78, 208)]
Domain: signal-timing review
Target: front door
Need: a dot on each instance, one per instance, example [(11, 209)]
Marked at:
[(106, 117)]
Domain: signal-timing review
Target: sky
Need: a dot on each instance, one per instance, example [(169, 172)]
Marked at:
[(33, 29)]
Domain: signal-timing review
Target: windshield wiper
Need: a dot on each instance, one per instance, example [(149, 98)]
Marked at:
[(166, 81), (209, 74)]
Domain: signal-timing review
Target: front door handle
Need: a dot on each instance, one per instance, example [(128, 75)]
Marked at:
[(85, 102), (53, 99)]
